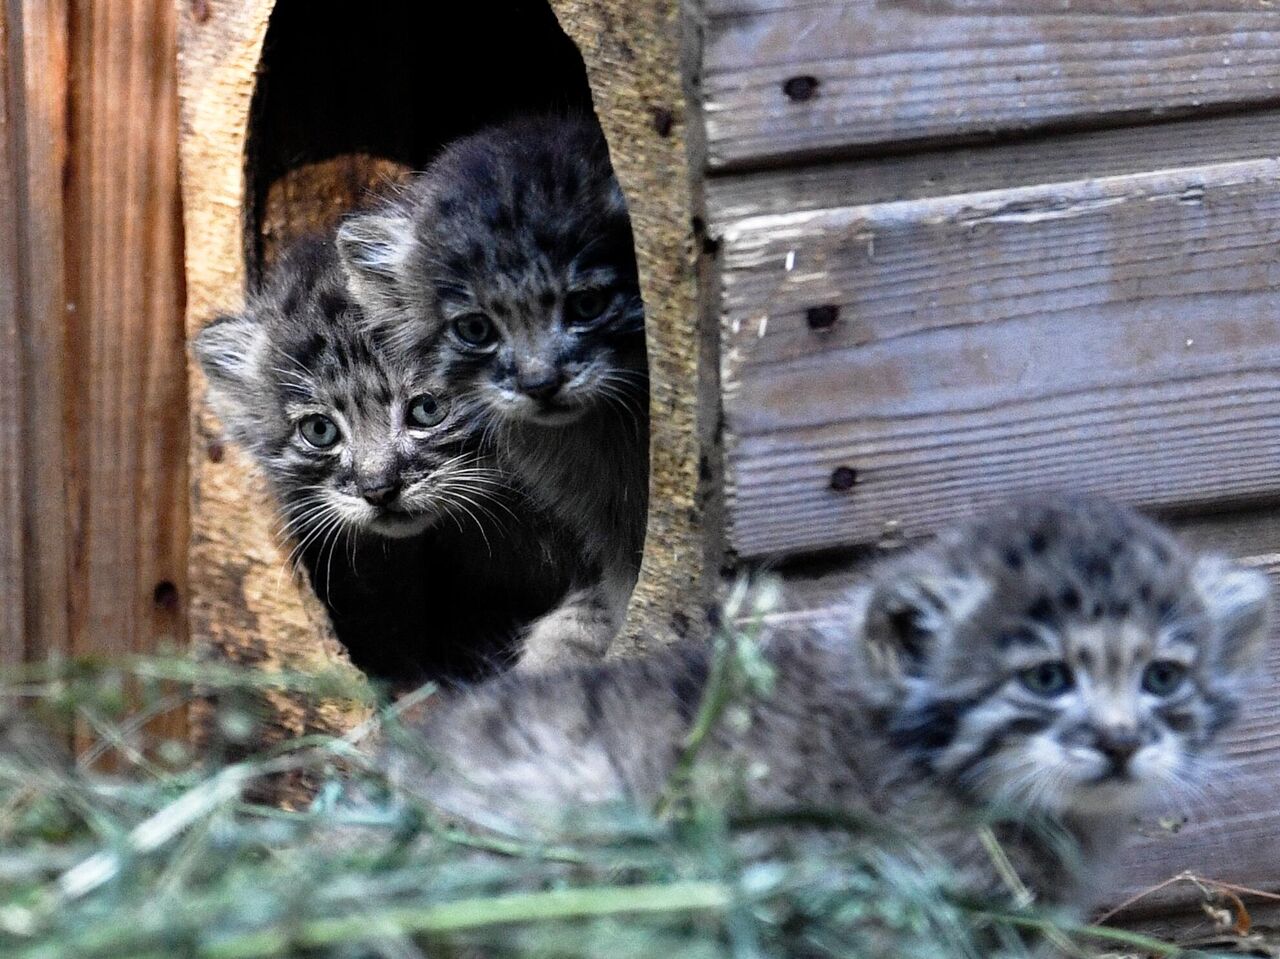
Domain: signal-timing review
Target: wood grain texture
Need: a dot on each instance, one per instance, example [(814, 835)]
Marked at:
[(1030, 161), (39, 136), (1120, 335), (1232, 833), (12, 561), (316, 195), (633, 51), (94, 393), (124, 380), (245, 606), (894, 71)]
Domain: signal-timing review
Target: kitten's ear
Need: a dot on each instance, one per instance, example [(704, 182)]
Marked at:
[(913, 608), (229, 351), (1237, 600), (374, 250)]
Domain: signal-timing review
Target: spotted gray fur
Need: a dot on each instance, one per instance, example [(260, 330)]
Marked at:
[(922, 699), (430, 559), (508, 266)]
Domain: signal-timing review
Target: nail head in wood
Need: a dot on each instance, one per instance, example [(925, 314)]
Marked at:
[(165, 596), (799, 89), (822, 317), (844, 478)]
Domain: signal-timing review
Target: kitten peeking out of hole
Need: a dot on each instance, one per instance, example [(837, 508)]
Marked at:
[(1012, 696), (507, 269), (431, 561)]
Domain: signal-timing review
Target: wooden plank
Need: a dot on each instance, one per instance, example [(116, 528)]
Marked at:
[(125, 376), (788, 78), (1232, 833), (1054, 158), (38, 64), (1120, 336), (12, 564)]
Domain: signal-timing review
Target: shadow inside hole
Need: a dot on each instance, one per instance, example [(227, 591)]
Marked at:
[(352, 97), (349, 102)]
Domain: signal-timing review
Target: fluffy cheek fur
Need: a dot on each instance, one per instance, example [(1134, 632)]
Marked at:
[(1043, 772)]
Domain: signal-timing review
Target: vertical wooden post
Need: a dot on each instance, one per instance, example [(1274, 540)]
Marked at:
[(36, 138), (12, 561), (125, 373), (94, 390)]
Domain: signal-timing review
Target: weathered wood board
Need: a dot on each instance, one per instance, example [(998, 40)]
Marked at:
[(12, 561), (1059, 158), (125, 339), (37, 138), (94, 417), (803, 78), (1119, 335)]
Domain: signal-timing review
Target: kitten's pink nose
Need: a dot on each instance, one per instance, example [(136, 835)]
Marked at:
[(381, 493), (540, 384)]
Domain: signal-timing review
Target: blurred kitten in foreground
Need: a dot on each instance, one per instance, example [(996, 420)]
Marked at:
[(1012, 695)]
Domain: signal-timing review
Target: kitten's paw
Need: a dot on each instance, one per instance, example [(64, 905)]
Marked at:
[(576, 632)]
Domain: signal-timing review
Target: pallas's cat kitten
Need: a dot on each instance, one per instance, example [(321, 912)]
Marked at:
[(1063, 664), (430, 561), (508, 267)]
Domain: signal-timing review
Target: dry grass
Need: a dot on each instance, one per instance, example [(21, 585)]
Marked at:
[(137, 849)]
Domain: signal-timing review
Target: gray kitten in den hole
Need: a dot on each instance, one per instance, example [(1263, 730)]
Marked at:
[(431, 561), (1052, 671), (507, 267)]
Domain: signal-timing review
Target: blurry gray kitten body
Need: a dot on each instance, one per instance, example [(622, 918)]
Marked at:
[(508, 267), (1065, 664)]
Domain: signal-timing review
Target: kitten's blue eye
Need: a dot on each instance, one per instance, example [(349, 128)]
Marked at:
[(319, 431), (1051, 678), (585, 306), (475, 329), (426, 410), (1163, 677)]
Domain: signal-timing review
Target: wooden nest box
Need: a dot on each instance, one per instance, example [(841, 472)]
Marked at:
[(900, 260), (295, 112)]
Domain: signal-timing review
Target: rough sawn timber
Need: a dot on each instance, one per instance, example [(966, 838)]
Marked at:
[(1117, 336), (894, 71)]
